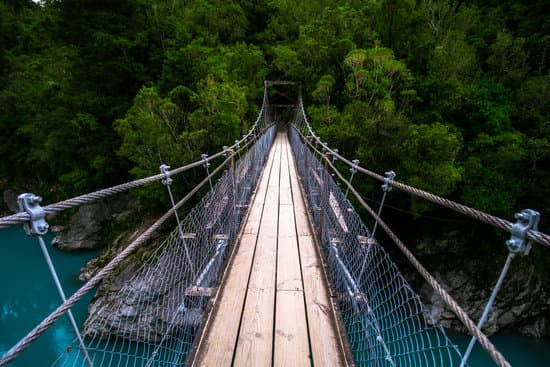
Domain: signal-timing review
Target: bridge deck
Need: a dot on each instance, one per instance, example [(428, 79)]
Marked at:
[(274, 308)]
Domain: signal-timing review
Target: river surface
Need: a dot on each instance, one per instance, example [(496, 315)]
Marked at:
[(28, 295)]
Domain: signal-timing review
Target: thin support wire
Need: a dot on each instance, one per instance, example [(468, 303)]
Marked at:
[(390, 175), (167, 181), (535, 235), (90, 284), (353, 170), (489, 305), (63, 298), (206, 165), (455, 307)]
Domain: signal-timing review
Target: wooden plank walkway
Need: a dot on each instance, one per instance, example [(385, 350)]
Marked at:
[(274, 307)]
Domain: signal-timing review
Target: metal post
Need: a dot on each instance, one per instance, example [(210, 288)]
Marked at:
[(38, 227), (390, 175), (167, 181), (518, 244)]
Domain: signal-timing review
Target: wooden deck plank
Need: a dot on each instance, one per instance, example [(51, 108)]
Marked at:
[(285, 194), (289, 276), (255, 342), (264, 290), (291, 334), (218, 347), (254, 347), (326, 347)]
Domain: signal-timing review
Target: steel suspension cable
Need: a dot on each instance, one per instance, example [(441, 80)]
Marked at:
[(447, 298), (539, 237), (105, 271), (23, 217)]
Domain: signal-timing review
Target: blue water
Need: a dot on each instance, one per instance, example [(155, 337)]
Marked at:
[(520, 351), (28, 295)]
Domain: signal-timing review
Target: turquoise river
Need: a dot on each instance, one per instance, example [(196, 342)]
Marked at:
[(27, 295)]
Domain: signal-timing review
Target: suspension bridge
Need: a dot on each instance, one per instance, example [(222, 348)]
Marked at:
[(273, 266)]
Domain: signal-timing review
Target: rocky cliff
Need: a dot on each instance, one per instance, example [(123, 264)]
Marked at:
[(522, 305)]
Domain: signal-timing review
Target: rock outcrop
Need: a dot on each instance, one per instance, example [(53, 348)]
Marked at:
[(86, 227), (140, 301), (523, 303), (10, 199)]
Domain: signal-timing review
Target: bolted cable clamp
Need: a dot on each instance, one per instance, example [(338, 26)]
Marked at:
[(518, 243), (165, 170), (390, 175), (225, 147), (237, 144), (204, 157), (30, 203), (334, 155), (353, 168)]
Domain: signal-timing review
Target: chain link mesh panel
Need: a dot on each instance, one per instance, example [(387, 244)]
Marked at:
[(152, 318), (385, 320)]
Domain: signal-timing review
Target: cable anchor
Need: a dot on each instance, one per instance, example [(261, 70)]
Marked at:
[(206, 164), (30, 203), (353, 170), (165, 170), (390, 176), (37, 227), (519, 243)]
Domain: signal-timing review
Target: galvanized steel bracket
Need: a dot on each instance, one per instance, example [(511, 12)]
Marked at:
[(390, 175), (30, 203), (165, 170), (519, 243), (204, 157), (353, 168)]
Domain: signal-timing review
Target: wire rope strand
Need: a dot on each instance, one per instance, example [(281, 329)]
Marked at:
[(50, 320), (453, 305), (539, 237), (23, 217)]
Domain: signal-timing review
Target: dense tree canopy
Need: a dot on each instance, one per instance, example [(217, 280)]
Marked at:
[(452, 95)]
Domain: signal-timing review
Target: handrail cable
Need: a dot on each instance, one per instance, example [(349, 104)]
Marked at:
[(23, 217), (455, 307), (105, 271), (539, 237)]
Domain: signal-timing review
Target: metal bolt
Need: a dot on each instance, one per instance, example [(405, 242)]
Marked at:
[(35, 199)]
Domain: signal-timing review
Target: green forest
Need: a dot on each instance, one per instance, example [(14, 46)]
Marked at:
[(452, 95)]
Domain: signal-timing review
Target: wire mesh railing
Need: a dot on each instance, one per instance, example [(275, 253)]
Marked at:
[(385, 320), (152, 318)]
